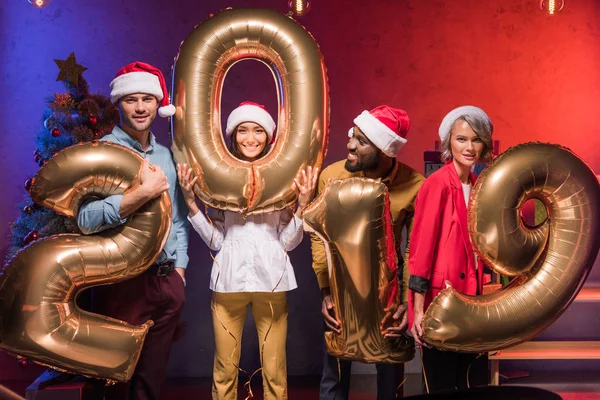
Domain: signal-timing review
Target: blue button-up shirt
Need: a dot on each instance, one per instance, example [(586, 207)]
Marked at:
[(98, 215)]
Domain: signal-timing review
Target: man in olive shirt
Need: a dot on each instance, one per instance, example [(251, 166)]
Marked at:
[(375, 143)]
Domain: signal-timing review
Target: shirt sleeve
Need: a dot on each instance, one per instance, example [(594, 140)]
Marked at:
[(212, 233), (98, 215), (290, 230), (404, 274), (319, 257), (424, 238), (181, 227)]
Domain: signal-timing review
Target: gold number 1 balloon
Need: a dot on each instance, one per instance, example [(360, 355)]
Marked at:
[(38, 316), (551, 261), (293, 57), (353, 220)]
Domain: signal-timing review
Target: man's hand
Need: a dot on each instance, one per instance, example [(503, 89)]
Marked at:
[(181, 272), (399, 322), (328, 311), (153, 180)]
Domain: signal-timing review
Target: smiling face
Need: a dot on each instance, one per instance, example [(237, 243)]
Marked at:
[(466, 146), (362, 154), (250, 141), (138, 111)]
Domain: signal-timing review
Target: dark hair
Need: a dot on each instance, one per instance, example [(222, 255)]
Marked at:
[(235, 150)]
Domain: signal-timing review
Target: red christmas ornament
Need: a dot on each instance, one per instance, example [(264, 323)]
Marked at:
[(93, 120), (28, 209), (55, 132), (37, 157), (28, 184), (31, 237), (23, 363)]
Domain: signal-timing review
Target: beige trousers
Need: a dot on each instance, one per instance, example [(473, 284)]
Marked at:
[(229, 311)]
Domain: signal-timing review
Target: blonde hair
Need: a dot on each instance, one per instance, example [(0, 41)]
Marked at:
[(482, 128)]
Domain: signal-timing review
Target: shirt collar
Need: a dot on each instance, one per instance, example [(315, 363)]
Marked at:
[(390, 177), (393, 172), (125, 139)]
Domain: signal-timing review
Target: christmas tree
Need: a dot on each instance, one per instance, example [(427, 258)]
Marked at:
[(72, 117)]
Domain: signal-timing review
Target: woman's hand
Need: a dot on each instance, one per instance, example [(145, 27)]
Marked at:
[(186, 182), (306, 184), (416, 330)]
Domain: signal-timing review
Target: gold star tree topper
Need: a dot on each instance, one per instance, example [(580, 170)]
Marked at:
[(69, 70)]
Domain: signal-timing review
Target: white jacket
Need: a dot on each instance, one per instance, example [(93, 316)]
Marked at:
[(251, 255)]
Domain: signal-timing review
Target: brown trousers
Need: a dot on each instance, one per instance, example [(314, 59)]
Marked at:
[(148, 296)]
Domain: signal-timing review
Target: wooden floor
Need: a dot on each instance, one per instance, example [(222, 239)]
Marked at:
[(569, 387)]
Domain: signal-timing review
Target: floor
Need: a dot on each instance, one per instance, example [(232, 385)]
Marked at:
[(569, 387)]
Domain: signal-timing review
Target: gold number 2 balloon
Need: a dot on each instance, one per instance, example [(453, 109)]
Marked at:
[(353, 220), (293, 57), (39, 319), (551, 261)]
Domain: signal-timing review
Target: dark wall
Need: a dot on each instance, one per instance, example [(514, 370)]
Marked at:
[(537, 76)]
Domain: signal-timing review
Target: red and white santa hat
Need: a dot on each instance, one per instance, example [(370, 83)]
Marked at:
[(386, 128), (249, 111), (139, 77)]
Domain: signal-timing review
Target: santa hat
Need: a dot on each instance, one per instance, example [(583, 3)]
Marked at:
[(386, 128), (249, 111), (463, 111), (139, 77)]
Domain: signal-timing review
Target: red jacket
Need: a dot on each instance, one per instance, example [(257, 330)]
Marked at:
[(440, 248)]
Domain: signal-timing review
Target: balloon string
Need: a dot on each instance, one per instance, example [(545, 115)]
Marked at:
[(424, 373), (469, 368), (399, 396), (339, 368), (262, 351), (247, 384)]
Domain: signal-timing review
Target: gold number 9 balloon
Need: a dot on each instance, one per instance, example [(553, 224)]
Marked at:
[(39, 319), (353, 220), (293, 57), (551, 261)]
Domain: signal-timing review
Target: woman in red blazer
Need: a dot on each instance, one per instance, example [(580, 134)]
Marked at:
[(440, 249)]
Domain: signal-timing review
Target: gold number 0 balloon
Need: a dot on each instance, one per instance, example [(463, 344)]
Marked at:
[(551, 261), (293, 57), (38, 316), (353, 220)]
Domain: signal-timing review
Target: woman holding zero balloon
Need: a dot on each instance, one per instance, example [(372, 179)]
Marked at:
[(251, 266), (440, 249)]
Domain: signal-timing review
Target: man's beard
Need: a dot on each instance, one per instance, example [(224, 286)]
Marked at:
[(368, 164)]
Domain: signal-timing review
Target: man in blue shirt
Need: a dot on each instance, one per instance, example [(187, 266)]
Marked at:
[(157, 294)]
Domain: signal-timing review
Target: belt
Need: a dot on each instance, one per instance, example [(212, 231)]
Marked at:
[(162, 268)]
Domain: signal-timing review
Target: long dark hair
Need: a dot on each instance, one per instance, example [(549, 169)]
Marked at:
[(234, 149)]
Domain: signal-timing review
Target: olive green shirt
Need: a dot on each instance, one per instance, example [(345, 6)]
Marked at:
[(403, 184)]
